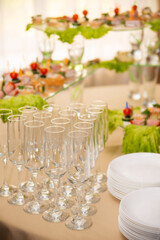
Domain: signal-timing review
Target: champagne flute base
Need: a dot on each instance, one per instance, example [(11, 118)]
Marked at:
[(35, 207), (63, 203), (56, 216), (91, 197), (78, 223), (28, 186), (99, 187), (7, 190), (69, 191), (85, 210), (18, 199), (44, 195)]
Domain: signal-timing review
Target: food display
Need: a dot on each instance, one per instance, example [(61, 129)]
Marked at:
[(68, 27), (38, 78)]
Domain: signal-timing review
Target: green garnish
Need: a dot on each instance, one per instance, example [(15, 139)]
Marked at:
[(14, 103), (155, 24), (156, 105), (146, 113), (141, 139), (114, 119)]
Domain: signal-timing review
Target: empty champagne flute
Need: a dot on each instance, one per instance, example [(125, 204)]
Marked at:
[(78, 172), (99, 179), (52, 108), (55, 167), (67, 190), (78, 107), (46, 46), (44, 193), (5, 189), (28, 111), (34, 160), (16, 153), (86, 209), (71, 114)]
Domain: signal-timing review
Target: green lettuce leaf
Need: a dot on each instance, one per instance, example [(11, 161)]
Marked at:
[(89, 32), (155, 24), (14, 103), (141, 139), (113, 64), (114, 119)]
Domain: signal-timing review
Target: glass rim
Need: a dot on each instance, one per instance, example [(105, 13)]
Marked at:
[(83, 128), (61, 129), (74, 105), (41, 124), (27, 108), (101, 110), (42, 117), (8, 111), (54, 105), (77, 131), (62, 113), (58, 118), (88, 119), (16, 118), (99, 103)]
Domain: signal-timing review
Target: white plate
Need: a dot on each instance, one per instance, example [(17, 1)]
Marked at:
[(143, 207), (137, 168)]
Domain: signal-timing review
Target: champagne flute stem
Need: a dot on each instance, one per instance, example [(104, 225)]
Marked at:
[(19, 171), (79, 200), (56, 185), (35, 176), (5, 171)]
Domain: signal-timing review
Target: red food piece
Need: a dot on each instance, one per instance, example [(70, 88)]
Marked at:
[(34, 65), (85, 12), (14, 75), (134, 8), (43, 71), (75, 17), (1, 94), (151, 122), (116, 11), (9, 87), (137, 122), (127, 112), (14, 92)]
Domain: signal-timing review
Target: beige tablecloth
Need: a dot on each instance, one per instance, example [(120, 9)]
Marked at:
[(18, 225)]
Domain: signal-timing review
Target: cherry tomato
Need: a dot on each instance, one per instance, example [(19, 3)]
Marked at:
[(134, 7), (34, 65), (116, 10), (127, 111), (85, 12), (43, 71), (11, 84), (75, 17), (14, 75)]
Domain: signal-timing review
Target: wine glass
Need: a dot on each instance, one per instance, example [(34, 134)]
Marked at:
[(78, 107), (46, 46), (52, 108), (86, 209), (5, 189), (44, 193), (55, 167), (99, 178), (16, 153), (78, 172), (28, 111), (76, 51), (34, 160), (66, 190)]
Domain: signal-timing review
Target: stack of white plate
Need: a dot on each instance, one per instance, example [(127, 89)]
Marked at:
[(133, 171), (139, 214)]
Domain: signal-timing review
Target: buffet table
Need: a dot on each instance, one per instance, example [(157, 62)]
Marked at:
[(105, 221)]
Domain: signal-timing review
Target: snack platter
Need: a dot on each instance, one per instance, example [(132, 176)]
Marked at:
[(98, 27)]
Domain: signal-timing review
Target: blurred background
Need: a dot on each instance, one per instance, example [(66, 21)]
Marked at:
[(18, 48)]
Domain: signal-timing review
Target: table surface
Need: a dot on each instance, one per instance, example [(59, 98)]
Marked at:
[(105, 221)]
